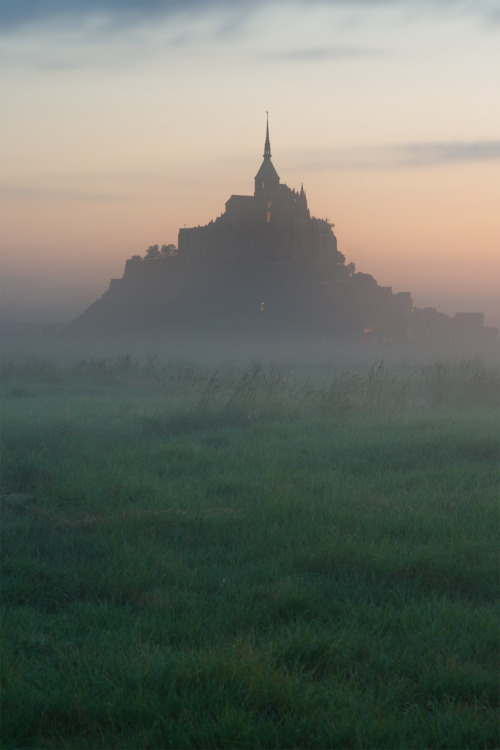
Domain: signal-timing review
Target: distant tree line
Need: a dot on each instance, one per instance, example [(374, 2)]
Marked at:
[(155, 252)]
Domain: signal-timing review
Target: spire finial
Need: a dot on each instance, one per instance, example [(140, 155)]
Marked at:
[(267, 146)]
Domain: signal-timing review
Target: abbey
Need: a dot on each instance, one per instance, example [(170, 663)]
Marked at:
[(265, 268), (274, 225)]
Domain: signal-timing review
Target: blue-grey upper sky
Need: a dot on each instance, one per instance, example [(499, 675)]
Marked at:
[(17, 13)]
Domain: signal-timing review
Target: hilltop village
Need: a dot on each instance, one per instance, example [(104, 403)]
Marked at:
[(266, 267)]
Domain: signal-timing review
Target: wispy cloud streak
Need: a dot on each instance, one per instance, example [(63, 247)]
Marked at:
[(31, 193), (323, 54), (402, 156), (423, 154)]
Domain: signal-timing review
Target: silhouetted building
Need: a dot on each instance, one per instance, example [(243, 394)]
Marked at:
[(273, 225), (469, 327), (266, 268)]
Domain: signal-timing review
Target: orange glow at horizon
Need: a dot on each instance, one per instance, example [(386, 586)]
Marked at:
[(407, 230)]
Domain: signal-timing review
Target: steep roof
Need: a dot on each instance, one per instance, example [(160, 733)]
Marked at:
[(267, 172)]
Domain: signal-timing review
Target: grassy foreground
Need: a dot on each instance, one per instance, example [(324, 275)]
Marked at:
[(249, 558)]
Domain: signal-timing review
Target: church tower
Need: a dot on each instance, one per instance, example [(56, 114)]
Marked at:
[(266, 179)]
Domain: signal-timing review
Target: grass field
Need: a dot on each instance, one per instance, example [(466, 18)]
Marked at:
[(249, 557)]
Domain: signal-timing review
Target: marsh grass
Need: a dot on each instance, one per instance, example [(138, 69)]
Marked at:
[(249, 557)]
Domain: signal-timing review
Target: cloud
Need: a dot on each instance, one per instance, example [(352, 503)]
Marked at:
[(322, 54), (15, 14), (402, 156), (424, 154), (90, 187), (30, 193)]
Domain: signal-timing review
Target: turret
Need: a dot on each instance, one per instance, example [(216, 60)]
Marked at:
[(302, 203)]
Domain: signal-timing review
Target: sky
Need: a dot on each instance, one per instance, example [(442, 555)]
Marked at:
[(122, 121)]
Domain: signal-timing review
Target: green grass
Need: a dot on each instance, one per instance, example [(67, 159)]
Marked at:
[(249, 558)]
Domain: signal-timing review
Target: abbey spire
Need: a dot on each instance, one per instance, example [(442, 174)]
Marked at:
[(267, 145), (266, 179)]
